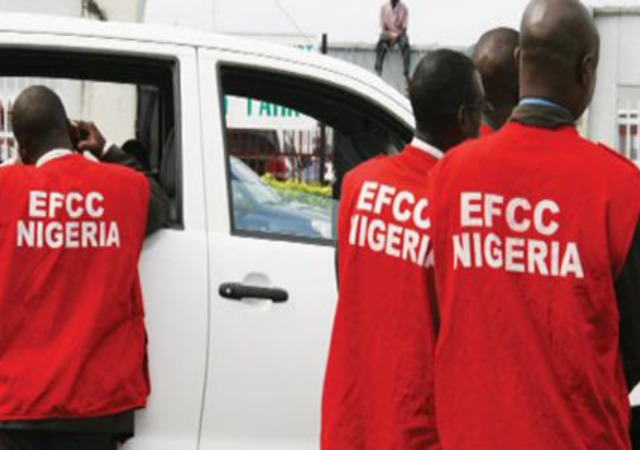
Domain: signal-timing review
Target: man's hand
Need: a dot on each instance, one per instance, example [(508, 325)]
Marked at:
[(92, 139), (391, 37)]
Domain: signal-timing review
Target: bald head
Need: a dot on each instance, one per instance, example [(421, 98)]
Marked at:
[(559, 49), (494, 57), (39, 123)]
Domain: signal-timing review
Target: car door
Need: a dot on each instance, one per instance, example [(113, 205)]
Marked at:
[(278, 137)]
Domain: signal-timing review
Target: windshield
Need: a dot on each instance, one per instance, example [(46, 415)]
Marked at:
[(260, 192)]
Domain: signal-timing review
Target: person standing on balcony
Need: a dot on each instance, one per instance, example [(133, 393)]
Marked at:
[(394, 20)]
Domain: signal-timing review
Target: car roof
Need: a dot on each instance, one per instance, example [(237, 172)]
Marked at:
[(82, 27)]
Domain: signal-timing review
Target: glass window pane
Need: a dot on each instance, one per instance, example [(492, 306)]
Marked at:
[(289, 143)]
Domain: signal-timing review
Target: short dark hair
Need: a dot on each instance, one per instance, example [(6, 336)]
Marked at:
[(442, 82), (494, 58), (38, 118)]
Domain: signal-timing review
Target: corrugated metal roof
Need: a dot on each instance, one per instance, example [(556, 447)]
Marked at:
[(616, 11)]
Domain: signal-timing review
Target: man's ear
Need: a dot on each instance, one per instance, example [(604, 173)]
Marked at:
[(463, 117), (469, 120), (22, 155), (587, 69), (517, 54), (465, 121)]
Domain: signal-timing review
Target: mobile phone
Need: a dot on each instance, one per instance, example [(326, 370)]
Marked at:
[(76, 134)]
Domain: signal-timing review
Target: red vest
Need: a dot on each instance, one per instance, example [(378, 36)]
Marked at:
[(531, 229), (72, 341), (378, 390), (486, 130)]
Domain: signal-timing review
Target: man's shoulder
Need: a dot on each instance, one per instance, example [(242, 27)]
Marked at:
[(467, 149), (615, 157), (113, 177), (14, 177), (373, 169), (112, 170), (372, 166), (618, 165), (13, 169)]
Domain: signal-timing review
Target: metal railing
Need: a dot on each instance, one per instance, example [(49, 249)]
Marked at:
[(8, 148), (300, 155), (10, 88), (628, 135)]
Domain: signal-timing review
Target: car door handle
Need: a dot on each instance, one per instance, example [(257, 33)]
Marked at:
[(238, 291)]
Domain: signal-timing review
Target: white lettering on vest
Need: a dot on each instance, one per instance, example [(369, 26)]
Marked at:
[(399, 238), (470, 204), (26, 234), (403, 197), (72, 222), (512, 210), (421, 220), (544, 256), (37, 204), (74, 208), (461, 251)]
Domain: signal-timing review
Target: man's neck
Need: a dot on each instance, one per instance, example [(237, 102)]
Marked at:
[(542, 113), (42, 154), (430, 139), (499, 116)]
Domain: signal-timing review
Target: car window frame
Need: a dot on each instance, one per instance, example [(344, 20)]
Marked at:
[(381, 110), (97, 65)]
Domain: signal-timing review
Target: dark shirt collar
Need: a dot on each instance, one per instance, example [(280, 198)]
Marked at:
[(490, 123), (536, 101), (542, 113)]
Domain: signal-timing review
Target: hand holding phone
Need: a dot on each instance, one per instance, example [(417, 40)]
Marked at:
[(89, 138)]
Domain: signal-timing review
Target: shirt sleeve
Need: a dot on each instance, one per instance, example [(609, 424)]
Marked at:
[(383, 24), (405, 18), (158, 211), (628, 296)]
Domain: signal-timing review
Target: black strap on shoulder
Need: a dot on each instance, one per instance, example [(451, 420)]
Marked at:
[(628, 295)]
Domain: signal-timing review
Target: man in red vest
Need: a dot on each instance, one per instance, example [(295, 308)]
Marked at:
[(378, 390), (73, 362), (535, 234), (494, 57)]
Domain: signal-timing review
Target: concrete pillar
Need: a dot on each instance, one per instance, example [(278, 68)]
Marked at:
[(604, 108)]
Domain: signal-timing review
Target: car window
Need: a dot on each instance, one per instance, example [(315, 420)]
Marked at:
[(92, 87), (82, 101), (289, 142)]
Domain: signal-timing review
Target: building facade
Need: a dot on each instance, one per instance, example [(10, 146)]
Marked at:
[(614, 116)]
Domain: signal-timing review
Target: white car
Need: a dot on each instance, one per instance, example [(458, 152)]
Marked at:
[(230, 370)]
